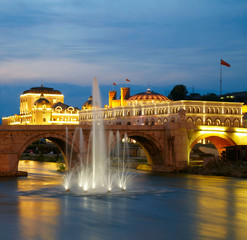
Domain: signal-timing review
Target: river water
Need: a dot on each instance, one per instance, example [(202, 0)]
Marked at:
[(154, 207)]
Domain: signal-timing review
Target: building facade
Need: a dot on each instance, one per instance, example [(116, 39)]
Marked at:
[(43, 106), (151, 108)]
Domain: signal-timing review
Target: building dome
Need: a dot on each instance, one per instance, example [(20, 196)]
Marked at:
[(148, 96), (88, 104), (42, 89), (41, 102)]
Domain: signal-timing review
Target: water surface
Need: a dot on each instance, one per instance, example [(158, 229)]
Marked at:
[(154, 207)]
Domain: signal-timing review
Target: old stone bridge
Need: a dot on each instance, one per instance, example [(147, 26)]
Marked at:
[(166, 146)]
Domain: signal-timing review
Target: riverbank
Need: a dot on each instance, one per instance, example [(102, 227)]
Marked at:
[(219, 168), (14, 174), (42, 157)]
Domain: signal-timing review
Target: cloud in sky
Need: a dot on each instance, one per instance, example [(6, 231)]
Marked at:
[(161, 42)]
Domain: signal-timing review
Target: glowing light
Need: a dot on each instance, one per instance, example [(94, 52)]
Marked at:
[(213, 132), (212, 128), (241, 134), (85, 188), (241, 130), (38, 94)]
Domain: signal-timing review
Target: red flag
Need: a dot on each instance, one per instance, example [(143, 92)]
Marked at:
[(127, 80), (114, 84), (224, 63)]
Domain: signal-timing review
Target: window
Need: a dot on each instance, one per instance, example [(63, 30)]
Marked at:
[(208, 122), (198, 121), (227, 123), (217, 122), (236, 123)]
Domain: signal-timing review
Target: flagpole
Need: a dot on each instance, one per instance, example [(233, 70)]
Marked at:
[(220, 77)]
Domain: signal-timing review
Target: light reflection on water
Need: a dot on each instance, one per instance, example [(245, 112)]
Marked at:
[(160, 206)]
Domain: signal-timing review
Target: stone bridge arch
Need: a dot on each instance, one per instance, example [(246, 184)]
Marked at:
[(58, 139), (219, 140), (151, 146)]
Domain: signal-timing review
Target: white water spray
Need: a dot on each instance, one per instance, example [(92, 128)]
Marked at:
[(96, 174)]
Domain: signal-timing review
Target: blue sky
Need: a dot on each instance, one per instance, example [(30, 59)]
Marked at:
[(161, 43)]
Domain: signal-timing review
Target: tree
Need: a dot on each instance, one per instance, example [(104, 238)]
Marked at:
[(210, 97), (178, 92)]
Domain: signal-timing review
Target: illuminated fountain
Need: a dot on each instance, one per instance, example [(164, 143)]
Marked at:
[(95, 174)]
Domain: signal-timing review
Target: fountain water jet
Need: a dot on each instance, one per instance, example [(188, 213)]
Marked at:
[(96, 175)]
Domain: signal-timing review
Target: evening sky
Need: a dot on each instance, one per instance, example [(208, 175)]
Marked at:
[(158, 43)]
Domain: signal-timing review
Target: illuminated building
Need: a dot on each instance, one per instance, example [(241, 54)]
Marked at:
[(151, 108), (43, 105)]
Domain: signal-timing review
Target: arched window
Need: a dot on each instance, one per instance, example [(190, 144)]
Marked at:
[(198, 121), (70, 109), (217, 122), (208, 122), (152, 122), (236, 123), (146, 122), (159, 122), (189, 110), (227, 123), (189, 121), (165, 120)]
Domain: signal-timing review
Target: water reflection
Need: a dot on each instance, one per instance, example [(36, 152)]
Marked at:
[(160, 206), (42, 175), (38, 218), (220, 206), (240, 209)]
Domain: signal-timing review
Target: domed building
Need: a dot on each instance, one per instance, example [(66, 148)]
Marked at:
[(42, 102), (88, 104), (148, 96), (28, 97), (42, 110), (42, 106), (152, 108)]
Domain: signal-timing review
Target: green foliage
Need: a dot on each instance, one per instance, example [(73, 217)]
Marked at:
[(179, 92), (60, 166), (210, 97)]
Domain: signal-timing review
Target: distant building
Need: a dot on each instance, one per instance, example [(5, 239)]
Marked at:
[(151, 108), (235, 97), (43, 105)]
